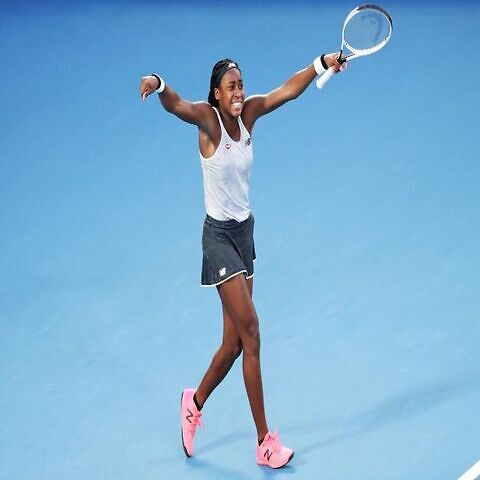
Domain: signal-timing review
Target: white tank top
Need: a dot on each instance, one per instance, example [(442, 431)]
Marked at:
[(226, 176)]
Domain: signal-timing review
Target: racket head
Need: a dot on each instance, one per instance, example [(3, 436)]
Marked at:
[(366, 29)]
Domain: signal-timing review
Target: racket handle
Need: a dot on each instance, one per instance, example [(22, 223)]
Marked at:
[(321, 81)]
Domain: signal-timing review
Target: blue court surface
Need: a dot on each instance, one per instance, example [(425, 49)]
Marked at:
[(367, 205)]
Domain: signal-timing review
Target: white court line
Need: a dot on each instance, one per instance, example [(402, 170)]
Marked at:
[(472, 473)]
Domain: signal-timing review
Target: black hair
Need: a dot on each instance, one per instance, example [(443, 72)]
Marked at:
[(218, 71)]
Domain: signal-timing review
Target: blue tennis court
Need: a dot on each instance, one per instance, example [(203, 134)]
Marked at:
[(367, 280)]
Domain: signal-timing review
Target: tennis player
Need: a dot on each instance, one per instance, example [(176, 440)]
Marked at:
[(225, 125)]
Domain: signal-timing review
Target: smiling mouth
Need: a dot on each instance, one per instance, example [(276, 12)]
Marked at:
[(237, 104)]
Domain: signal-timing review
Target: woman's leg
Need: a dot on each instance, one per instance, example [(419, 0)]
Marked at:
[(237, 303), (224, 358), (222, 361)]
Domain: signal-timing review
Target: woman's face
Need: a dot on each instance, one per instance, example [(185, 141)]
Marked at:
[(230, 93)]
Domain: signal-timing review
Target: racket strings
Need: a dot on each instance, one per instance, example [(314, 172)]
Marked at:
[(367, 30)]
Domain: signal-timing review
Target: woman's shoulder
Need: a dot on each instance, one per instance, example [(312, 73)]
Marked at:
[(205, 106), (248, 114), (210, 122), (210, 132)]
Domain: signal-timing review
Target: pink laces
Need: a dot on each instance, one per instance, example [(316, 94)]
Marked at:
[(275, 441)]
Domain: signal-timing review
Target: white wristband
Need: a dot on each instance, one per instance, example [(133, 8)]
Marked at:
[(161, 82), (318, 66)]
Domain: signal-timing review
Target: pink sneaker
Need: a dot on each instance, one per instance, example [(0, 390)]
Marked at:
[(272, 453), (190, 420)]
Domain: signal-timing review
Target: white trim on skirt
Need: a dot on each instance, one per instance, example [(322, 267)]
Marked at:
[(228, 278)]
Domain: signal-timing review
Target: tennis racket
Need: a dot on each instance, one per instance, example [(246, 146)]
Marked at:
[(366, 30)]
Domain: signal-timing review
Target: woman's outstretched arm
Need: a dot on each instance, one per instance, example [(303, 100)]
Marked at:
[(196, 113), (258, 105)]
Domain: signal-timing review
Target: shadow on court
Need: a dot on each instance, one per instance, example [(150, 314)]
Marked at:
[(216, 471)]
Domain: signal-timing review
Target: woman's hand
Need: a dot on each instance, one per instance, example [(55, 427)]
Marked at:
[(148, 85), (332, 60)]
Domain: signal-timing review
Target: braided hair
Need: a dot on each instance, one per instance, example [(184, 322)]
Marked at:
[(218, 71)]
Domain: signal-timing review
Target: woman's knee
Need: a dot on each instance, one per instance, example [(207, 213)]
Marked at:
[(233, 350), (251, 341)]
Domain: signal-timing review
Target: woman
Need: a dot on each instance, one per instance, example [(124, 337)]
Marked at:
[(225, 126)]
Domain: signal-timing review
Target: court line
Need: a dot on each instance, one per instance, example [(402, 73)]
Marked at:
[(472, 473)]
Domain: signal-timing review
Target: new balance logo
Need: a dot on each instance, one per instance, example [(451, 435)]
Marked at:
[(222, 272), (189, 416), (268, 454)]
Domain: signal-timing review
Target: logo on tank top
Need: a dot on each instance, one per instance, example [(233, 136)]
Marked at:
[(228, 146), (248, 141), (222, 272)]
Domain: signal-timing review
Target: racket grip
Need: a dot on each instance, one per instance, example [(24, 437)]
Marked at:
[(321, 81)]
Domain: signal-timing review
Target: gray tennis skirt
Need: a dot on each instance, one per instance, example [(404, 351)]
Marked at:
[(228, 250)]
